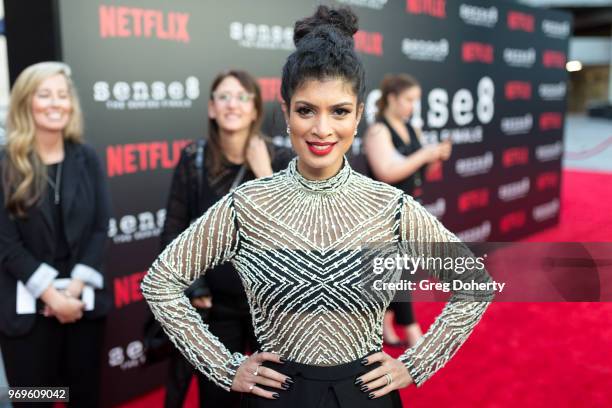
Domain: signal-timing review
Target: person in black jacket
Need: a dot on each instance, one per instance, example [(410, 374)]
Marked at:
[(234, 152), (53, 232), (395, 156)]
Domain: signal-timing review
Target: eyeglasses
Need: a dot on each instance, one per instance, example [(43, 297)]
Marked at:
[(226, 97)]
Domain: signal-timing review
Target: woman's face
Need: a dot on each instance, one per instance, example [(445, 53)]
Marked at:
[(402, 104), (52, 104), (323, 117), (232, 106)]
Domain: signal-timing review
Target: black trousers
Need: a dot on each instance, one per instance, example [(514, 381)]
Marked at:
[(404, 315), (322, 387), (57, 355), (234, 329)]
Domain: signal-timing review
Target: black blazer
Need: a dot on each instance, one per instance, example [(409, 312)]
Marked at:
[(26, 243)]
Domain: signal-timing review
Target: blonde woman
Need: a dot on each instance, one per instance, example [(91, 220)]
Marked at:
[(53, 222)]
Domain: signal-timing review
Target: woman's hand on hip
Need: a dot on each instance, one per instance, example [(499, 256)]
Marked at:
[(251, 375), (391, 375)]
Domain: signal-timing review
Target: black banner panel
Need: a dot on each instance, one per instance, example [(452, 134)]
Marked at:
[(493, 78)]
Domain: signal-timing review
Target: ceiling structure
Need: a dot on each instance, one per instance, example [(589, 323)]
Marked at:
[(591, 17)]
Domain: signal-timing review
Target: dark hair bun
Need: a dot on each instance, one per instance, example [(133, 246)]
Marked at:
[(341, 20), (324, 49)]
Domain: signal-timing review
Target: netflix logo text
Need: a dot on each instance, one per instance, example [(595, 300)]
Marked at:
[(512, 221), (369, 42), (518, 90), (549, 179), (477, 52), (434, 172), (553, 59), (131, 22), (551, 121), (515, 156), (127, 289), (270, 89), (433, 8), (473, 199), (137, 157), (518, 21)]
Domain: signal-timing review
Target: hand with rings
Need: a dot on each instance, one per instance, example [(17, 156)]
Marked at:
[(391, 375), (251, 375)]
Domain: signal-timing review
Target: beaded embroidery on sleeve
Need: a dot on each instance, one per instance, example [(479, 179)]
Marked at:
[(296, 244)]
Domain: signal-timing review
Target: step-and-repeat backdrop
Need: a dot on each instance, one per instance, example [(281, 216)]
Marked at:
[(493, 77)]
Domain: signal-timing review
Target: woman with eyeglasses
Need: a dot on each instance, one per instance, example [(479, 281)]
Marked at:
[(234, 152), (53, 233), (297, 240)]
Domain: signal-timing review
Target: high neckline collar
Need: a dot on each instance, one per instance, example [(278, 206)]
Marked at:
[(330, 185)]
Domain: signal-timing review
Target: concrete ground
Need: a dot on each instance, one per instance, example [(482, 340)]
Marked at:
[(588, 144)]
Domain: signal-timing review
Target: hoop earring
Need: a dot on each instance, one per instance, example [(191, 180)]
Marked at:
[(288, 130)]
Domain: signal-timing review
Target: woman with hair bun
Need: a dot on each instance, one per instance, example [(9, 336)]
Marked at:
[(296, 240), (395, 156)]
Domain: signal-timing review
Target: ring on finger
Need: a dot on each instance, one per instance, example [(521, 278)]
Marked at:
[(256, 373), (389, 378), (251, 387)]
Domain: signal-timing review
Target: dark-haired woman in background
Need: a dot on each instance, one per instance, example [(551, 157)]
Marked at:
[(395, 156), (234, 152), (295, 239), (53, 231)]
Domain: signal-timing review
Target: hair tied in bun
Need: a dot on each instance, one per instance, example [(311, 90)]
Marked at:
[(342, 20), (324, 49)]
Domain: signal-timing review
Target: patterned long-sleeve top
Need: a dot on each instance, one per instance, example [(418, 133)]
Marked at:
[(297, 246)]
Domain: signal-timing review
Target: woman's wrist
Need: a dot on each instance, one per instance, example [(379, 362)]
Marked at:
[(425, 156), (262, 171), (52, 297), (70, 294), (75, 288)]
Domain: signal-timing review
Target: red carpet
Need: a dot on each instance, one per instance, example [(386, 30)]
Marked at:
[(586, 213), (525, 354)]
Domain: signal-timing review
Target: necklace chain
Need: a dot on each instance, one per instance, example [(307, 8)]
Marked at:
[(57, 184)]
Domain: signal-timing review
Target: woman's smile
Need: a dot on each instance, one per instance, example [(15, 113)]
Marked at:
[(321, 148)]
